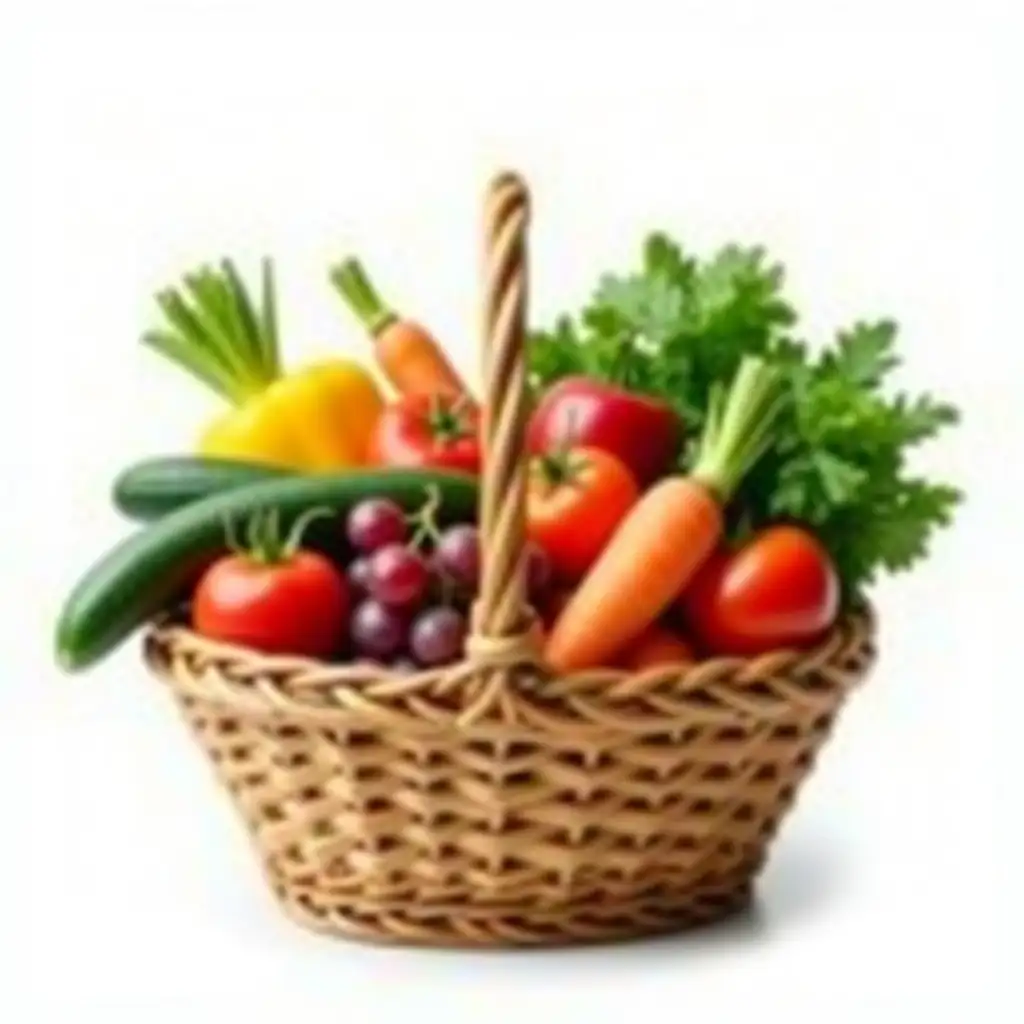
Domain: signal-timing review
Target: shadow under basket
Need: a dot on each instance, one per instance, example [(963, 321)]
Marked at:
[(491, 802)]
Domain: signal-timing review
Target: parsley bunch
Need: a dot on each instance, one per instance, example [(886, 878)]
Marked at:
[(680, 325)]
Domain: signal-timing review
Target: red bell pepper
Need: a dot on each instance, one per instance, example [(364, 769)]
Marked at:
[(643, 432)]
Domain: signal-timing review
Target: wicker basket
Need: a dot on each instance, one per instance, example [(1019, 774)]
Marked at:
[(489, 802)]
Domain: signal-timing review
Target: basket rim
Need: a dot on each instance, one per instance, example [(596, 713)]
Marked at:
[(779, 683), (170, 627)]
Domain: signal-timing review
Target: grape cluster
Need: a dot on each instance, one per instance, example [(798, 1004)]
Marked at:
[(414, 593)]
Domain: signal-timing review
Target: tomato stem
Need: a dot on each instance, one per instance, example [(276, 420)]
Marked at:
[(300, 526), (235, 546), (447, 420), (264, 542), (560, 467)]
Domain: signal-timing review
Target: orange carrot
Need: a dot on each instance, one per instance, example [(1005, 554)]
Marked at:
[(410, 357), (656, 550), (670, 531), (655, 648)]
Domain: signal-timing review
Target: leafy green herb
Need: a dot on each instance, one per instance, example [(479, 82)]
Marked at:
[(680, 327), (672, 330)]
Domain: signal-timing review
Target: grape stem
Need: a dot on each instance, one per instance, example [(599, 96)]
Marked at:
[(424, 520)]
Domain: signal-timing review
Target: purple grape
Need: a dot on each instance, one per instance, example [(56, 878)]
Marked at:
[(457, 555), (539, 572), (437, 636), (377, 630), (398, 575), (435, 566), (374, 523), (359, 573)]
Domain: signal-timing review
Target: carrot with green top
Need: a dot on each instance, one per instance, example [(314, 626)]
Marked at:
[(671, 530), (409, 355)]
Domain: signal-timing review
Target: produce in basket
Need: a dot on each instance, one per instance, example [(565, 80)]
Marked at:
[(153, 569), (671, 531), (317, 418), (833, 463), (656, 648), (375, 523), (577, 498), (679, 327), (153, 487), (644, 432), (428, 430), (272, 595), (417, 581), (779, 589), (413, 361), (378, 631), (436, 636), (457, 557)]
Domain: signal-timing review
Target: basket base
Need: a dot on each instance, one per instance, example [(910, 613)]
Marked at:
[(656, 912)]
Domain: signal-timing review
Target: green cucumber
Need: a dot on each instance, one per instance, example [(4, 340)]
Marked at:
[(153, 568), (154, 487)]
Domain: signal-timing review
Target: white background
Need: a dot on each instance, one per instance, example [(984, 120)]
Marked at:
[(874, 151)]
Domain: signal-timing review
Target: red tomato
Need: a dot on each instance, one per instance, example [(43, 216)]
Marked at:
[(576, 500), (642, 431), (778, 590), (656, 647), (299, 605), (427, 431)]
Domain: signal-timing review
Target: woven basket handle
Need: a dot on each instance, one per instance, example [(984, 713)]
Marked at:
[(502, 613)]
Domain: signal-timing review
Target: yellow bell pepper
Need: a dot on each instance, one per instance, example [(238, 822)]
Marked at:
[(317, 418)]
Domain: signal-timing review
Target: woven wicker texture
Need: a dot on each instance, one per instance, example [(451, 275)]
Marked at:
[(489, 802)]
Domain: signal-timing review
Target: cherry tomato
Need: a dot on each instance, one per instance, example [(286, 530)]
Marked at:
[(778, 590), (656, 647), (298, 605), (428, 431), (576, 499)]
